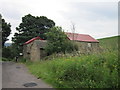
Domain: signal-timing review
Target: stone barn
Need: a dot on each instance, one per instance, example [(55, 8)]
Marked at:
[(86, 43), (34, 49)]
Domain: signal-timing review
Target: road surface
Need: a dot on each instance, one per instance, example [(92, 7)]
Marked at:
[(16, 75)]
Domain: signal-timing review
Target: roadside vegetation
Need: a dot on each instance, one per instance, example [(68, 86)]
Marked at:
[(88, 71)]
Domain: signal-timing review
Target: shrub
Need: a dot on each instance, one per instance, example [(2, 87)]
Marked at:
[(5, 59), (6, 52), (21, 59), (58, 41)]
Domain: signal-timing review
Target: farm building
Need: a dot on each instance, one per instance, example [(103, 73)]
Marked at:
[(86, 43), (34, 48)]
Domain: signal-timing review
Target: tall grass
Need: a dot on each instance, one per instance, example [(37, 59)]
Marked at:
[(91, 71), (94, 71)]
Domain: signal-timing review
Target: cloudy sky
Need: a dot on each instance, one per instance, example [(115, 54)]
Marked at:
[(98, 18)]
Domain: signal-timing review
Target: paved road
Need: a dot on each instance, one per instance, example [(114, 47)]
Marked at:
[(15, 75)]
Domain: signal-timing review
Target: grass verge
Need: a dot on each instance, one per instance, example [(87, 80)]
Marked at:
[(93, 71)]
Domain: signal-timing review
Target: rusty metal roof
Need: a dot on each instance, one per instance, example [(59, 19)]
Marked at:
[(31, 40), (81, 37), (71, 36)]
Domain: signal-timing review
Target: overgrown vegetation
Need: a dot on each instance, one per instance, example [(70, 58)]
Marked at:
[(91, 71), (58, 42), (6, 59)]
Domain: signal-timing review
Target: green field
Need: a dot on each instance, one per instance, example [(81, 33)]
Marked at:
[(91, 71), (109, 44)]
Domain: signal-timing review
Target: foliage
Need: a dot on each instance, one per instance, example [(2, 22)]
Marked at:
[(22, 60), (31, 27), (5, 31), (6, 59), (91, 71), (6, 52), (15, 50), (58, 41), (10, 52)]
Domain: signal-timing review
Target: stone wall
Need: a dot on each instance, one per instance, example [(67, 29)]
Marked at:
[(86, 47), (34, 51)]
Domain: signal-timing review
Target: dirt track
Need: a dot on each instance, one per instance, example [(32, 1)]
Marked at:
[(15, 75)]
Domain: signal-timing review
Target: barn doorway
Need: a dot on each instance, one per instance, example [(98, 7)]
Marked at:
[(42, 53)]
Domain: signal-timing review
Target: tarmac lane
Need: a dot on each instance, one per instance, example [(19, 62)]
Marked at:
[(16, 75)]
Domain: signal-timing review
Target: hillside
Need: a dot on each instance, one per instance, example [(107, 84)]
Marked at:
[(110, 43)]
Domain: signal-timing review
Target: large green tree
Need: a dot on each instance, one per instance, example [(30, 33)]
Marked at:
[(6, 29), (59, 42), (31, 27)]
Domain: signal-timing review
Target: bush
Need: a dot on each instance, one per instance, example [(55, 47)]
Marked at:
[(5, 59), (22, 60), (6, 52)]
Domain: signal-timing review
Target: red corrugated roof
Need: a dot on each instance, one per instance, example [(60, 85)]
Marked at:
[(81, 37), (77, 37), (31, 40)]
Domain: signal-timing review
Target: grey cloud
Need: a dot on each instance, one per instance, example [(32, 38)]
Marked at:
[(10, 10), (94, 10)]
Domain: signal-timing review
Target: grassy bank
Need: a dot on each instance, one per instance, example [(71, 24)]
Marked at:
[(110, 44), (92, 71)]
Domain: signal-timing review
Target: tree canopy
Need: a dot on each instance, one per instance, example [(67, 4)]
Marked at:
[(6, 29), (31, 27)]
